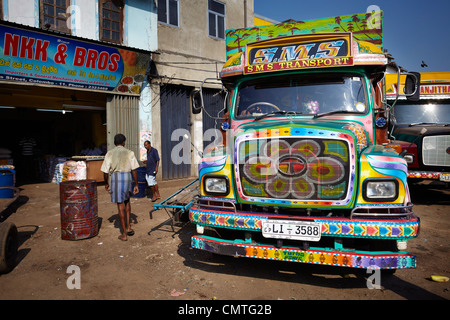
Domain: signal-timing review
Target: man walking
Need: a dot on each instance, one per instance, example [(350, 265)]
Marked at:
[(152, 169), (121, 164)]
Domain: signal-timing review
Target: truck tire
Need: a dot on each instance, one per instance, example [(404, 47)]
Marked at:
[(8, 246)]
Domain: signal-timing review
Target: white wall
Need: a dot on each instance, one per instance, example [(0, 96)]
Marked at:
[(141, 24), (22, 11), (85, 19)]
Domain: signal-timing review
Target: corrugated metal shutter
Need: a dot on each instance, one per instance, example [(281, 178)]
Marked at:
[(175, 114), (122, 116)]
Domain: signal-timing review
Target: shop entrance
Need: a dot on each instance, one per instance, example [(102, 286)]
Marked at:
[(41, 125)]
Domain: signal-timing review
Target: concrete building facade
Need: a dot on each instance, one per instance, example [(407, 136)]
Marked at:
[(191, 48)]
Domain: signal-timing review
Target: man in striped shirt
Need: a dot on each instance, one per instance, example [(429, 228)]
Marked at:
[(120, 165)]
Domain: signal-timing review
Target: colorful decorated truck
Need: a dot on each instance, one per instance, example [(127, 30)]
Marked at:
[(423, 127), (304, 173)]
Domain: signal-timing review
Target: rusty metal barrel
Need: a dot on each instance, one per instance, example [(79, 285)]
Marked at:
[(79, 209)]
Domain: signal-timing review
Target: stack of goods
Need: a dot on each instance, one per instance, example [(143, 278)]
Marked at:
[(70, 171), (57, 176), (47, 167), (58, 165), (81, 171), (74, 169)]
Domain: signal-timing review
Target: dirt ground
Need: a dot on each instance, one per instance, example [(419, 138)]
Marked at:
[(158, 264)]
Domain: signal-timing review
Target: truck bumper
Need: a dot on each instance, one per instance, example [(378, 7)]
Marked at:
[(399, 229), (364, 260)]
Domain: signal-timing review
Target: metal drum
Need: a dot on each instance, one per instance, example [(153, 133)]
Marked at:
[(6, 183), (79, 208)]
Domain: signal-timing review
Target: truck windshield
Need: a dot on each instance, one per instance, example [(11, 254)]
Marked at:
[(301, 94), (427, 112)]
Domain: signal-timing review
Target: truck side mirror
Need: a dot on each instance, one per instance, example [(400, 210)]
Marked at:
[(196, 101), (412, 86)]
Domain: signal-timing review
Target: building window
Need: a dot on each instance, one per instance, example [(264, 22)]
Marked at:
[(216, 19), (53, 15), (111, 20), (168, 12)]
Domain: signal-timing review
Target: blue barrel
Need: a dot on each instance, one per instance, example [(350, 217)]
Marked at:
[(142, 183), (6, 180)]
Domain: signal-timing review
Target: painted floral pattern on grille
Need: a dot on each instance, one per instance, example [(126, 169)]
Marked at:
[(291, 168)]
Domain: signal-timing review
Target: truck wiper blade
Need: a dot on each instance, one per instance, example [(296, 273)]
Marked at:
[(318, 115), (273, 113), (428, 124), (279, 112)]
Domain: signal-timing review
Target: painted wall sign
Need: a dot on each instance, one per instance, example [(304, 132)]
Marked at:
[(441, 89), (51, 60)]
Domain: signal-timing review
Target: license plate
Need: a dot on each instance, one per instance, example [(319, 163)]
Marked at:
[(288, 229), (444, 177)]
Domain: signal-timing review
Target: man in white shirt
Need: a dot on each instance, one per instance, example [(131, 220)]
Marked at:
[(121, 164)]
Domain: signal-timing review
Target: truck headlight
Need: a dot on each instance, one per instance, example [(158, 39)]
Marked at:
[(380, 190), (216, 185)]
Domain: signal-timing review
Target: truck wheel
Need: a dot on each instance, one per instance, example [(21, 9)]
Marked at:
[(8, 246)]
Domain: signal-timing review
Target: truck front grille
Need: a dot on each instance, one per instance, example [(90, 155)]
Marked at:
[(435, 150), (300, 169)]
